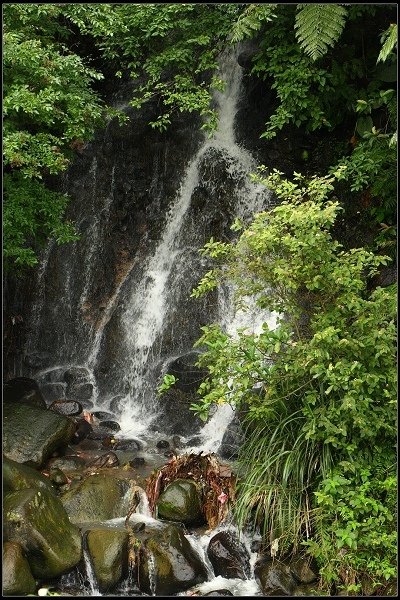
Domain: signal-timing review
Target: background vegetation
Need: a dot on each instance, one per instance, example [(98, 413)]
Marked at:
[(319, 390)]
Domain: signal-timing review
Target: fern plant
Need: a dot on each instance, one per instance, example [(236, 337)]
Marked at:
[(251, 20), (318, 26), (389, 41)]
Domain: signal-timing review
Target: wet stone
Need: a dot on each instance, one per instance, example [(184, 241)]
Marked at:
[(228, 556), (138, 461), (53, 391), (219, 593), (110, 459), (57, 476), (128, 445), (83, 430), (103, 416), (162, 444), (68, 408), (110, 425)]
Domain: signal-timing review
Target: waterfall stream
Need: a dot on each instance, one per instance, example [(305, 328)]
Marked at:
[(146, 318), (104, 333)]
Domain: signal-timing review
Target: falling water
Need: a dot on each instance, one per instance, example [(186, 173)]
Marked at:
[(91, 577), (123, 345), (153, 298)]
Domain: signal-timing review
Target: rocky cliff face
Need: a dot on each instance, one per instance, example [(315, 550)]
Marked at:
[(76, 310)]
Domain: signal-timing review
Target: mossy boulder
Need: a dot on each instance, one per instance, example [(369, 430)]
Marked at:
[(37, 520), (180, 501), (98, 498), (17, 476), (168, 564), (17, 576), (30, 444), (108, 549)]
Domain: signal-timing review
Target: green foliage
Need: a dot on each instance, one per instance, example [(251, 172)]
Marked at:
[(48, 106), (389, 41), (168, 382), (356, 512), (171, 50), (320, 389), (251, 20), (293, 77), (373, 163), (48, 99), (318, 26), (31, 214)]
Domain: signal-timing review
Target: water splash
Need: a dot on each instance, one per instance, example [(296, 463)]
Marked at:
[(91, 577)]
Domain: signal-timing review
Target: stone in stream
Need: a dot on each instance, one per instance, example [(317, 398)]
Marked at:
[(228, 556), (53, 391), (37, 520), (17, 575), (168, 564), (103, 416), (138, 461), (108, 549), (219, 593), (17, 476), (68, 408), (275, 578), (110, 459), (162, 444), (99, 498), (180, 501), (83, 429), (128, 445), (110, 425), (30, 444), (57, 476), (78, 383), (67, 463), (23, 389)]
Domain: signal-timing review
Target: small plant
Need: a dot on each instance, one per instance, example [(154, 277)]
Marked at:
[(168, 382)]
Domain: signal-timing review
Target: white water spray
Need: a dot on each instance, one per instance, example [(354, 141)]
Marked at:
[(152, 296)]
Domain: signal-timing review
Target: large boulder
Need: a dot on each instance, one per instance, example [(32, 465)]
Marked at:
[(275, 578), (20, 477), (168, 563), (17, 576), (31, 434), (23, 389), (228, 556), (37, 520), (99, 498), (108, 549), (180, 501)]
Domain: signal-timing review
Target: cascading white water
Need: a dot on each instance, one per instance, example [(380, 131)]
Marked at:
[(152, 297), (238, 587)]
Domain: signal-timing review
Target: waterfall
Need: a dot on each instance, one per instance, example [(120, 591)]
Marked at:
[(154, 296), (91, 577), (117, 323)]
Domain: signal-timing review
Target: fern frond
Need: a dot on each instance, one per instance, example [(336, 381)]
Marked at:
[(389, 40), (318, 27), (251, 20)]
